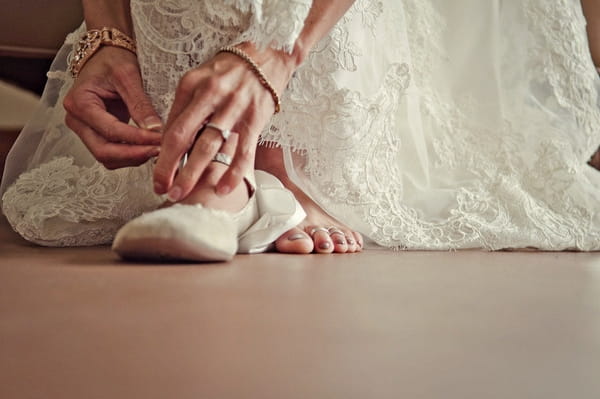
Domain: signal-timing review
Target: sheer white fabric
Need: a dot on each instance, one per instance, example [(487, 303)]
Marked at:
[(424, 124)]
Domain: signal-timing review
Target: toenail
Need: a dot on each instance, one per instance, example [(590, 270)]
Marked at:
[(340, 241), (324, 245), (350, 241), (296, 237)]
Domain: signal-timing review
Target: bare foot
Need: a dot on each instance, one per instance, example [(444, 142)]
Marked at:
[(595, 160), (319, 232)]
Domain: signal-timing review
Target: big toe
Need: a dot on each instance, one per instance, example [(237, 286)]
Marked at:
[(294, 241)]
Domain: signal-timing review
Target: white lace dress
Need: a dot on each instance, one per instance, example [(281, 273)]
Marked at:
[(424, 124)]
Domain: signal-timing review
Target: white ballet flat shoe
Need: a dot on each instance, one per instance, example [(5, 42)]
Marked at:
[(179, 232), (198, 234)]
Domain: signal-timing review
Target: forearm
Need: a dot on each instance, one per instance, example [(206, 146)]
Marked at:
[(591, 9), (323, 16), (108, 13)]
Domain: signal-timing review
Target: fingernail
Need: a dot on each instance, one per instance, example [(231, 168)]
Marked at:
[(295, 237), (152, 123), (154, 152), (324, 245), (159, 188), (174, 194), (223, 190)]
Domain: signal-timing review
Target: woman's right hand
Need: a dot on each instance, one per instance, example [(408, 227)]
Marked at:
[(105, 95)]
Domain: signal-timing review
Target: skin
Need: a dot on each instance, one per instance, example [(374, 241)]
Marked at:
[(591, 10), (223, 90)]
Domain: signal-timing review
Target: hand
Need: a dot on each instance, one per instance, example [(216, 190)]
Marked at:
[(225, 92), (107, 92)]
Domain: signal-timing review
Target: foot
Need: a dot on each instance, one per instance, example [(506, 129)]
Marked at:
[(595, 160), (319, 232), (191, 233)]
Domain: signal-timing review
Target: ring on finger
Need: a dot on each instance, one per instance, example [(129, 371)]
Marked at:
[(225, 133), (223, 158), (317, 229)]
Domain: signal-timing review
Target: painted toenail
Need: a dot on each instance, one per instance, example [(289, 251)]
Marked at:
[(324, 245), (295, 237)]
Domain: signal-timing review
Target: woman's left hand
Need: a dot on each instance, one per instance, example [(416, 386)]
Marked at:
[(226, 93)]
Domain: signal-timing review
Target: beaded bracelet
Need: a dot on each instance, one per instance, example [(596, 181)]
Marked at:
[(257, 71)]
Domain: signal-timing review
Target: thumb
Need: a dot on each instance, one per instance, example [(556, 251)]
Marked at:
[(140, 108)]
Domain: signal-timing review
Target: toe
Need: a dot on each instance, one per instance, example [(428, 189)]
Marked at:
[(294, 241), (340, 245), (322, 241), (359, 241), (352, 243)]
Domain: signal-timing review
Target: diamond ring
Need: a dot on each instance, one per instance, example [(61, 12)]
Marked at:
[(225, 133)]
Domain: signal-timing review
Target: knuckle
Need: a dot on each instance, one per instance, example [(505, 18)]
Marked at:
[(246, 156), (188, 78), (236, 172), (208, 147), (111, 131), (178, 139), (142, 106), (187, 177), (213, 85), (160, 174), (69, 103)]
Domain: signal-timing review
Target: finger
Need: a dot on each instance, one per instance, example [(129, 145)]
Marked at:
[(184, 93), (178, 138), (242, 162), (111, 155), (190, 174), (91, 109), (128, 83)]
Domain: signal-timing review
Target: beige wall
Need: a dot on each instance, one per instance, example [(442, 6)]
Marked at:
[(37, 27)]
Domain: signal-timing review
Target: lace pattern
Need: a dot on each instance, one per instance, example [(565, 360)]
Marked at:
[(502, 194), (62, 204)]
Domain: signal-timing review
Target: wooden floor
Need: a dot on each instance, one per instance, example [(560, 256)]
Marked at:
[(78, 323)]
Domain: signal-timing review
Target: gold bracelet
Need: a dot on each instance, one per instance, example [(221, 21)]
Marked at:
[(257, 71), (91, 42)]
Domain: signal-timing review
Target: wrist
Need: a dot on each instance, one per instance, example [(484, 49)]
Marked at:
[(278, 64), (92, 41)]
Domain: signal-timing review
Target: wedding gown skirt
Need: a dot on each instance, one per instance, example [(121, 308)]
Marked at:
[(423, 124)]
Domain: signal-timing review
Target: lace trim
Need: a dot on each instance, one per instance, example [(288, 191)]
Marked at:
[(62, 204), (506, 201)]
